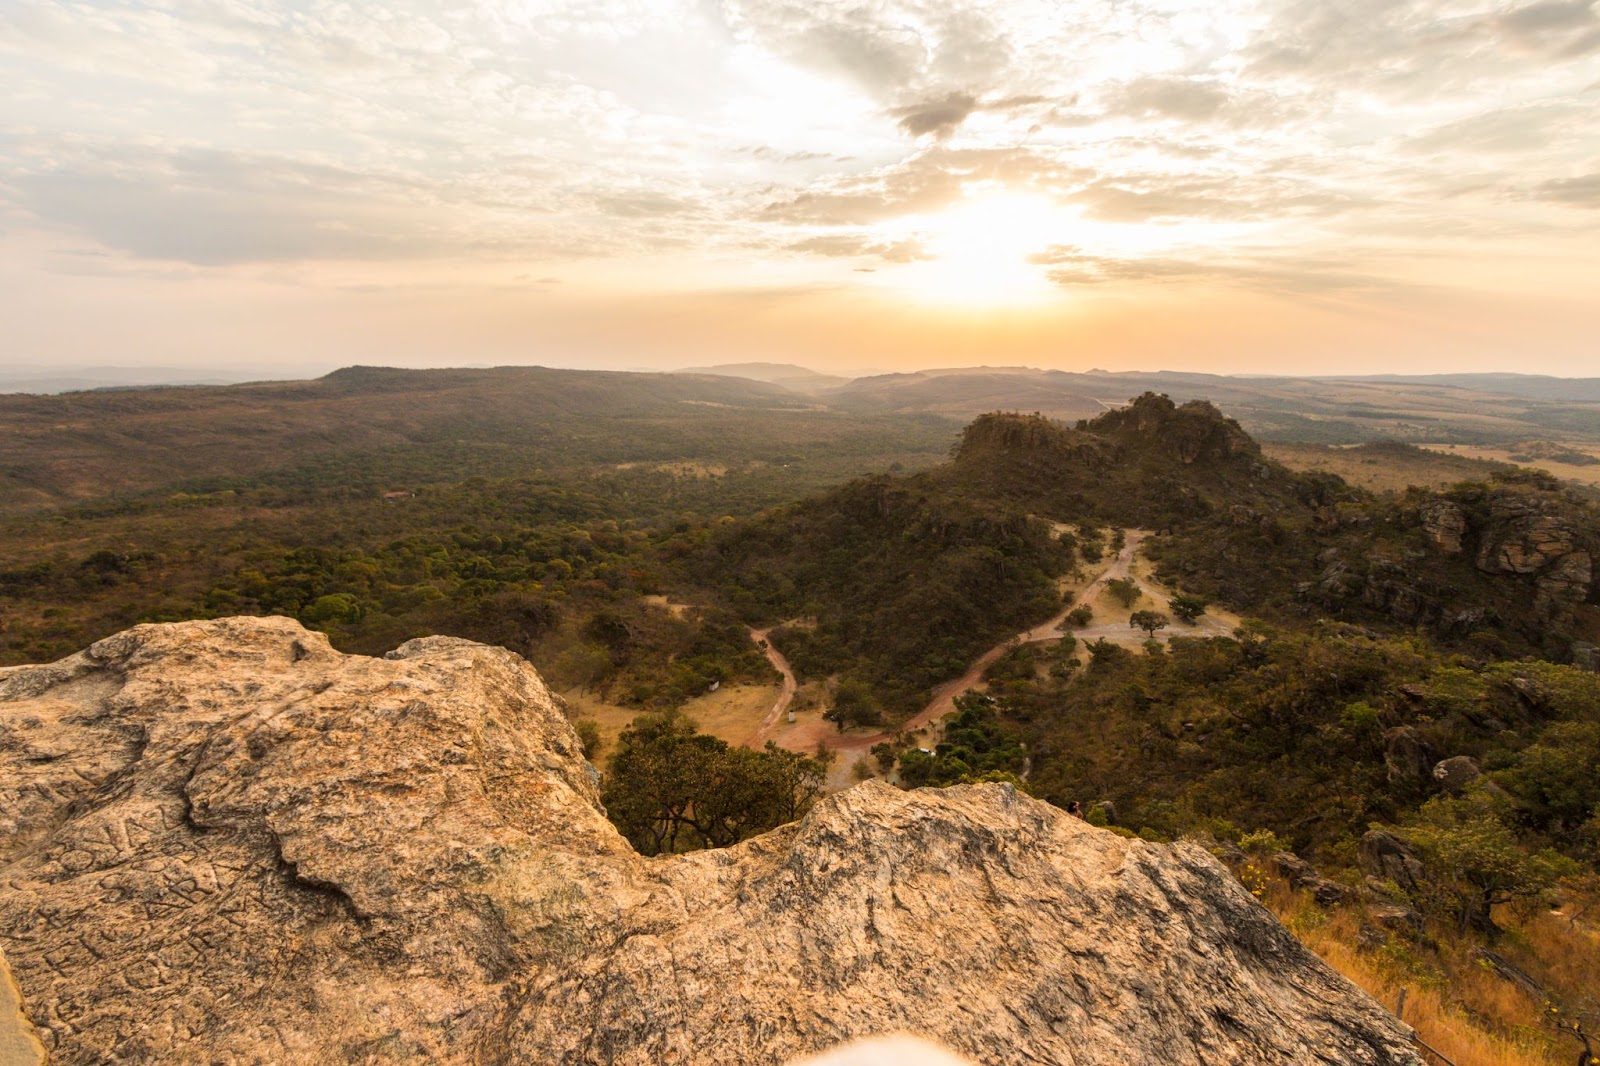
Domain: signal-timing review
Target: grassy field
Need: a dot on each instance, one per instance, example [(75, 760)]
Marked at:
[(1385, 468), (731, 713), (1587, 475)]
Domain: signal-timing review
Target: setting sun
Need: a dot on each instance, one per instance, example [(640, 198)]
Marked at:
[(982, 251)]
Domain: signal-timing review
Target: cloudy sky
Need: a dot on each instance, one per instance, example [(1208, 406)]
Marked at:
[(1300, 186)]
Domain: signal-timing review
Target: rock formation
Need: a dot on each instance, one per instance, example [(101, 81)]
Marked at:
[(225, 842), (1527, 535), (1445, 525)]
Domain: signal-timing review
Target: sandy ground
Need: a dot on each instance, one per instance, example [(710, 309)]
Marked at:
[(733, 712)]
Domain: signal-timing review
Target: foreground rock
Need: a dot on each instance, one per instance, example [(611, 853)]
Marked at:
[(225, 842)]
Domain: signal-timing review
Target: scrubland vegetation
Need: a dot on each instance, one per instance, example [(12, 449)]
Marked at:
[(1390, 633)]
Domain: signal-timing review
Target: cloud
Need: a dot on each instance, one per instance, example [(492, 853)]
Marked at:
[(1285, 274), (854, 246), (645, 205), (923, 183), (1563, 28), (1576, 192), (941, 117), (1531, 128)]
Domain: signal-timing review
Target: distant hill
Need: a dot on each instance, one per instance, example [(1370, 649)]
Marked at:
[(788, 375), (45, 380), (1530, 386), (409, 425), (1462, 409)]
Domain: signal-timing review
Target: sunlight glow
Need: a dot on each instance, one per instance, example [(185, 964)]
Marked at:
[(980, 253)]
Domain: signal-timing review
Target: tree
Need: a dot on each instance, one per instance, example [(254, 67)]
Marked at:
[(1124, 589), (1149, 621), (854, 704), (1080, 616), (589, 736), (674, 789), (1188, 608), (1474, 861)]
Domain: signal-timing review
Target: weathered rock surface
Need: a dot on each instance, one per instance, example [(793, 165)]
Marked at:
[(1407, 755), (1387, 858), (227, 843), (1445, 525), (1456, 773)]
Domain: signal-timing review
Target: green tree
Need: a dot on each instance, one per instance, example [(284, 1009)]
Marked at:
[(1124, 589), (1474, 862), (589, 736), (854, 705), (674, 789), (1149, 621), (1187, 608)]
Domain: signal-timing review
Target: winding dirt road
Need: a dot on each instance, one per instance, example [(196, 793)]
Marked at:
[(785, 693), (850, 748)]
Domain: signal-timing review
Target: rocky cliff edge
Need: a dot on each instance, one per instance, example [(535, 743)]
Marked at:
[(225, 842)]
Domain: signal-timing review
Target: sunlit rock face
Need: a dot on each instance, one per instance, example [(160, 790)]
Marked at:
[(226, 842)]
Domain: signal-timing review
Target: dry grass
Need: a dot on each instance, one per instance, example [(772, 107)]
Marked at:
[(1455, 1003), (1587, 475), (1379, 471), (732, 713)]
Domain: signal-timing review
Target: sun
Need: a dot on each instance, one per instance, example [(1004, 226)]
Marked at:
[(982, 252)]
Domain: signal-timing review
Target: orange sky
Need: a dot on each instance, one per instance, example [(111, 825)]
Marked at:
[(1266, 186)]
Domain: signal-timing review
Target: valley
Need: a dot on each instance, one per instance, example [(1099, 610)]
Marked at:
[(937, 603)]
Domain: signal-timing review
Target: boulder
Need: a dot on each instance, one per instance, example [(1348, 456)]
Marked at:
[(1456, 773), (249, 848), (1390, 860)]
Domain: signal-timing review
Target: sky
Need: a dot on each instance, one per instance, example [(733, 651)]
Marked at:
[(1235, 186)]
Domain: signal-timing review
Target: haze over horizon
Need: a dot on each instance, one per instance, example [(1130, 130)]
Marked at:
[(1251, 186)]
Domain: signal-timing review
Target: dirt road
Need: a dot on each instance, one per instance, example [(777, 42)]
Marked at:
[(785, 693), (850, 748)]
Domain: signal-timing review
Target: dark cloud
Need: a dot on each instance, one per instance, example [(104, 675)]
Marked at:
[(1578, 192), (924, 183), (1153, 197), (938, 117), (1562, 28), (943, 116), (1181, 98), (1415, 46), (1518, 129)]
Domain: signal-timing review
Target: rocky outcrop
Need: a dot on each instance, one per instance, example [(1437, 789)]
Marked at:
[(1408, 758), (1389, 860), (1456, 773), (1530, 535), (1445, 525), (226, 842)]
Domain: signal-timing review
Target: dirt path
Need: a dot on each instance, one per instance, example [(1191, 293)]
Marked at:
[(785, 694), (850, 748)]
